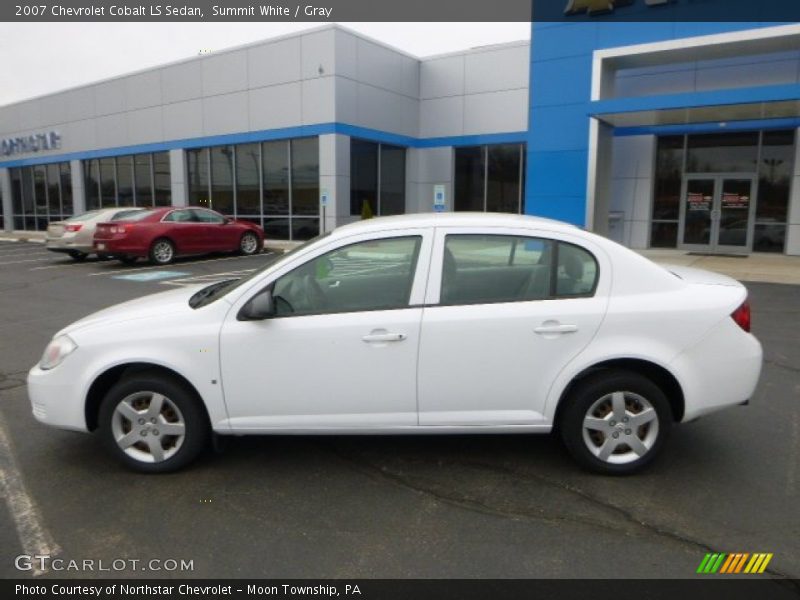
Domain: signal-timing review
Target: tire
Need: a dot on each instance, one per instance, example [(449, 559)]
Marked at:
[(135, 440), (162, 252), (128, 260), (594, 424), (248, 244), (77, 255)]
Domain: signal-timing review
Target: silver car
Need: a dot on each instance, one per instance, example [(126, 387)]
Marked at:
[(74, 236)]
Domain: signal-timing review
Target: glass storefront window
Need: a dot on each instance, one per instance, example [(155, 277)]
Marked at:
[(40, 194), (489, 178), (53, 193), (91, 184), (125, 180), (197, 169), (108, 185), (275, 165), (363, 176), (722, 152), (144, 185), (222, 179), (769, 155), (504, 178), (305, 176), (162, 181), (775, 171), (248, 188), (65, 172), (377, 178), (470, 172)]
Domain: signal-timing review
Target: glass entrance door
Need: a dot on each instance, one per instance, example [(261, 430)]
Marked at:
[(717, 213)]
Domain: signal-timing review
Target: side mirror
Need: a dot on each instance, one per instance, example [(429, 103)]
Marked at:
[(227, 221), (258, 308)]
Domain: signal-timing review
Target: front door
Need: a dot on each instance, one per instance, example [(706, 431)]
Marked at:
[(716, 213), (341, 350)]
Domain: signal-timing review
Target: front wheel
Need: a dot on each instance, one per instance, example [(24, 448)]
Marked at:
[(248, 244), (162, 252), (615, 422), (152, 423)]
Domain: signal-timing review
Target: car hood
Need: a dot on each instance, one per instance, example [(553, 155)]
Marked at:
[(160, 304), (693, 275)]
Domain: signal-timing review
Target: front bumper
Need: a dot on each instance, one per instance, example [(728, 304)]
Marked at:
[(57, 398)]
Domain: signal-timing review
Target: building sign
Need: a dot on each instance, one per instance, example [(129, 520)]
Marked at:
[(36, 142), (602, 7)]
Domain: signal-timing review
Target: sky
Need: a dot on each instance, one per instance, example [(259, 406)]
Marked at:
[(41, 58)]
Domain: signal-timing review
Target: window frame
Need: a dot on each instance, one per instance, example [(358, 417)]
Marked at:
[(436, 273)]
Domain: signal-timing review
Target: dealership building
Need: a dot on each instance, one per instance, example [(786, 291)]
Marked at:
[(668, 135)]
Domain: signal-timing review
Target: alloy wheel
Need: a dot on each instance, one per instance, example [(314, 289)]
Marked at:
[(163, 252), (249, 243), (148, 427), (620, 427)]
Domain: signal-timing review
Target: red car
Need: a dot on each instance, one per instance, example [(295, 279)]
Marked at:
[(161, 234)]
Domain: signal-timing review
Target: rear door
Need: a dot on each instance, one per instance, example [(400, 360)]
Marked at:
[(504, 314), (184, 230)]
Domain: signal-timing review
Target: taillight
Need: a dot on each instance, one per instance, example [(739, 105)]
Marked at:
[(73, 228), (742, 316), (120, 228)]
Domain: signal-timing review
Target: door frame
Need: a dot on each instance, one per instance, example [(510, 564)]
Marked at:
[(716, 207)]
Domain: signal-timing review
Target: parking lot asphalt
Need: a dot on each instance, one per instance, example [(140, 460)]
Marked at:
[(404, 506)]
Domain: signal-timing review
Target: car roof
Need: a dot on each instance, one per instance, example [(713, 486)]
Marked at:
[(453, 219)]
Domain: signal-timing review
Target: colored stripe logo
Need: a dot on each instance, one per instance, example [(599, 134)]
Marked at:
[(736, 562)]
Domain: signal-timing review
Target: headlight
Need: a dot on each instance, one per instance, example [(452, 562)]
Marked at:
[(57, 350)]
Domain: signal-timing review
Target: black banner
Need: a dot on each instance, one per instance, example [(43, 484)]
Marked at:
[(707, 587)]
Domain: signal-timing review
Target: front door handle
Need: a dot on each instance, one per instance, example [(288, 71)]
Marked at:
[(383, 336), (550, 327)]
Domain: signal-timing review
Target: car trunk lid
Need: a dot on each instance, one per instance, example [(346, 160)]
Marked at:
[(701, 276), (55, 229)]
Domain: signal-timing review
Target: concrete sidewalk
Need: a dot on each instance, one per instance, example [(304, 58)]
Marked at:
[(766, 268)]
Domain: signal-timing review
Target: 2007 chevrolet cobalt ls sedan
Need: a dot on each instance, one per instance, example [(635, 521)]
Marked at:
[(455, 323)]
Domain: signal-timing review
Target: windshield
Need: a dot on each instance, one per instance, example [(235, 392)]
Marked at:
[(217, 290)]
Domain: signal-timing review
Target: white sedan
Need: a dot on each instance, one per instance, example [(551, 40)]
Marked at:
[(455, 323)]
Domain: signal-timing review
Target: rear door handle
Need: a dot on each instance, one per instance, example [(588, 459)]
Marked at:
[(556, 328), (383, 336)]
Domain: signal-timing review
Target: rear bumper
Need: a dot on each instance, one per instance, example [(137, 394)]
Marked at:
[(118, 248), (67, 245), (721, 370)]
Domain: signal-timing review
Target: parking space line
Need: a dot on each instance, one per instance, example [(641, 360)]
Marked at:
[(16, 262), (33, 537), (208, 278), (197, 262)]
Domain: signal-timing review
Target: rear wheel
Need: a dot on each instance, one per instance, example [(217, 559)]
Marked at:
[(615, 422), (77, 255), (248, 244), (152, 423), (162, 252)]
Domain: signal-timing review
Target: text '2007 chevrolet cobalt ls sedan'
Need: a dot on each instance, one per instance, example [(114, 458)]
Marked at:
[(456, 323)]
